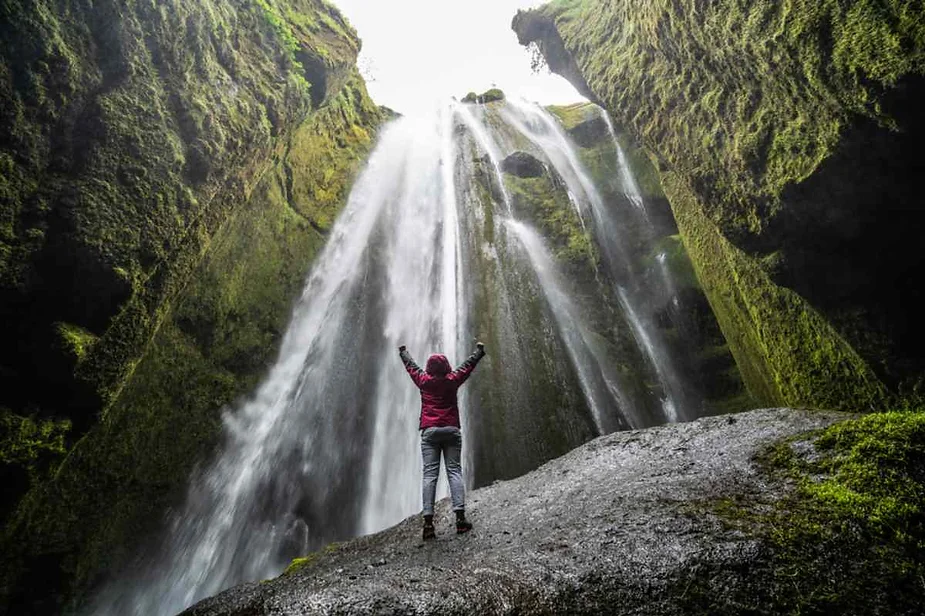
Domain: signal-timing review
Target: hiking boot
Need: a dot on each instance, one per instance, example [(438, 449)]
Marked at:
[(429, 532), (462, 524)]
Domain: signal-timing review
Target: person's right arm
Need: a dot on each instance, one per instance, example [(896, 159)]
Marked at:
[(414, 370)]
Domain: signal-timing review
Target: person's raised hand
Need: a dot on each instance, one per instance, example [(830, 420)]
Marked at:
[(401, 349), (480, 346)]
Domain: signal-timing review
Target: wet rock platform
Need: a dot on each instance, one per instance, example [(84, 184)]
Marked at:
[(622, 524)]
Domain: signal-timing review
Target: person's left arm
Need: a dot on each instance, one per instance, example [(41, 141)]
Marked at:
[(465, 369)]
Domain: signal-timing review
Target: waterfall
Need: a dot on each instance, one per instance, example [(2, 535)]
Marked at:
[(600, 385), (627, 180), (424, 254), (543, 130)]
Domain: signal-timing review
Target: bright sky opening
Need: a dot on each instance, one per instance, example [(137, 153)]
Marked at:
[(416, 51)]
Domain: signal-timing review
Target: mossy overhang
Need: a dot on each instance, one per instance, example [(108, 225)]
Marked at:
[(537, 27)]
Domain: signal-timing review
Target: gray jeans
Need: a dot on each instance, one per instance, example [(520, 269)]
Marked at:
[(449, 441)]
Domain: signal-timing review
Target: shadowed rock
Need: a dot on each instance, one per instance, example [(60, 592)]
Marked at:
[(590, 132), (523, 165)]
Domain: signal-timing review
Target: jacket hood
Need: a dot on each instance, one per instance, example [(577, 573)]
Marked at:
[(438, 365)]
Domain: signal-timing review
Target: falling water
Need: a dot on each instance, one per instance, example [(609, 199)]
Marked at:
[(330, 427), (655, 353), (544, 131), (327, 446), (627, 179), (484, 141), (600, 385), (668, 279)]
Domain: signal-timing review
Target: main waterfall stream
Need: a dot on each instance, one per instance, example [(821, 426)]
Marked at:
[(437, 247)]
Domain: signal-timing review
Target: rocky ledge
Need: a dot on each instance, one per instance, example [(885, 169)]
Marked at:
[(626, 523)]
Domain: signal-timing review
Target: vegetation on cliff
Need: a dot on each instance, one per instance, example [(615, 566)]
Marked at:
[(850, 537), (785, 135), (129, 136), (174, 183), (488, 96)]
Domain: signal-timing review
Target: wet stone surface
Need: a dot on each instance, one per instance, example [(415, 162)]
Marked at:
[(523, 165), (616, 526)]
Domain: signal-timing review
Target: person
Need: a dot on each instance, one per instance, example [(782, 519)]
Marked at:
[(440, 430)]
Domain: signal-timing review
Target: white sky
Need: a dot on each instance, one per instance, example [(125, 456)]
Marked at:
[(417, 50)]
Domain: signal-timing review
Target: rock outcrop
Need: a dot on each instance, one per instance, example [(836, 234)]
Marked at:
[(167, 173), (489, 96), (786, 141), (523, 165), (637, 522)]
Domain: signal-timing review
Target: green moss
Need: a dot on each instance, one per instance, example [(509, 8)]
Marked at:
[(179, 109), (671, 249), (572, 115), (853, 533), (872, 469), (787, 352), (214, 341), (740, 101), (847, 537), (298, 564), (539, 200), (489, 96), (76, 339), (30, 442)]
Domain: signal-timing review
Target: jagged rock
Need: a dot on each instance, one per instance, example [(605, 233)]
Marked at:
[(523, 165), (621, 521)]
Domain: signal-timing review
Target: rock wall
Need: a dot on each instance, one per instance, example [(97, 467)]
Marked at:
[(168, 172), (785, 136)]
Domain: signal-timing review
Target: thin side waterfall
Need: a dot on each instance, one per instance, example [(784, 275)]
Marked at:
[(656, 355), (545, 132), (427, 254), (668, 279), (627, 179), (488, 145), (600, 385)]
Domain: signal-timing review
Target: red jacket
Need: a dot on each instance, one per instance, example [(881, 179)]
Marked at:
[(438, 387)]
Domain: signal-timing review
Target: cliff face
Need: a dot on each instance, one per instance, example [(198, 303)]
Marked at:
[(785, 138), (167, 172)]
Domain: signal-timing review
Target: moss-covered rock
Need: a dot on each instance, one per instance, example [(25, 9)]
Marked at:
[(850, 539), (523, 165), (488, 96), (216, 341), (128, 136), (30, 449), (784, 134), (178, 181), (696, 522)]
